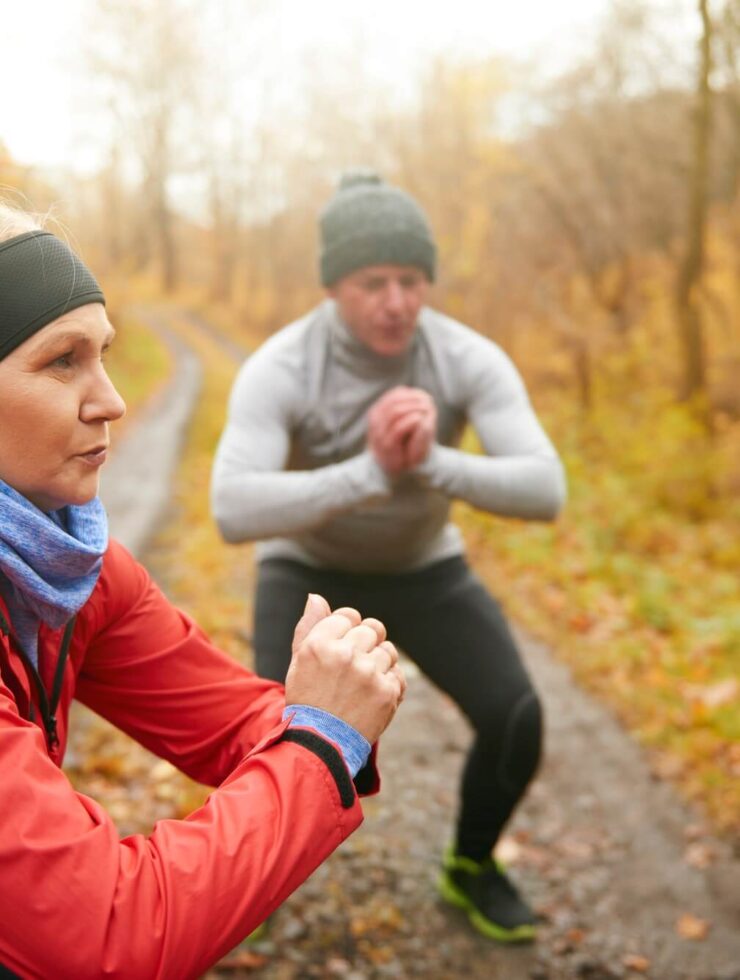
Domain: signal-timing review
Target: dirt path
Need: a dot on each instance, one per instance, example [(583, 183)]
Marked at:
[(616, 864), (145, 459)]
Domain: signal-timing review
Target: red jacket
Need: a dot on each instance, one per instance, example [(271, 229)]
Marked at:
[(79, 902)]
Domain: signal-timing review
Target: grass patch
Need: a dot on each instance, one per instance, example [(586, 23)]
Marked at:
[(642, 603)]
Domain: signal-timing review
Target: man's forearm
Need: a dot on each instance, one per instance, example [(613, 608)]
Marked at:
[(252, 505), (530, 487)]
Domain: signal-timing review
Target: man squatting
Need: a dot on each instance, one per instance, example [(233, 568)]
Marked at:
[(342, 453)]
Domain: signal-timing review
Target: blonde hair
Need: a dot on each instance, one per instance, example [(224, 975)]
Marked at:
[(17, 221)]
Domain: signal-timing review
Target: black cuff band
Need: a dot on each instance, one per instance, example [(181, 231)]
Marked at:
[(41, 278), (331, 758), (365, 780)]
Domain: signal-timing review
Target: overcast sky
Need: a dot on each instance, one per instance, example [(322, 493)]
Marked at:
[(40, 105)]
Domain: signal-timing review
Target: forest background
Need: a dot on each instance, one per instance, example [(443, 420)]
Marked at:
[(588, 220)]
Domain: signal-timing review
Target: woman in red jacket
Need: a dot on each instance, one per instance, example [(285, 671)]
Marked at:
[(80, 618)]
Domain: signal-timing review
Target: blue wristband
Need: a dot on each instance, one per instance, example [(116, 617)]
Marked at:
[(354, 747)]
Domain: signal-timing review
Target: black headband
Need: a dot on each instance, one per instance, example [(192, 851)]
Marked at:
[(40, 279)]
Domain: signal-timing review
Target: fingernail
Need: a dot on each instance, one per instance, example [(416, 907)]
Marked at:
[(312, 601)]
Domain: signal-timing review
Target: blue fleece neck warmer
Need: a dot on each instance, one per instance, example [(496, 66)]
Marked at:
[(49, 563)]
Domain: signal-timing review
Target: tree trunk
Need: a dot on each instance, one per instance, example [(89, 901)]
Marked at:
[(224, 230), (687, 300)]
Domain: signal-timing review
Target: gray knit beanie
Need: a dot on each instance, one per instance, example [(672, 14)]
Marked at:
[(369, 222)]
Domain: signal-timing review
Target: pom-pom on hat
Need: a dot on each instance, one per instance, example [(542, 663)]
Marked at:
[(369, 222)]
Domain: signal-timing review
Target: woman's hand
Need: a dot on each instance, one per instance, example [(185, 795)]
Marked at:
[(344, 664)]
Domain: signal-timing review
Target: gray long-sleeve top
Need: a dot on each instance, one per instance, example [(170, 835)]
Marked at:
[(292, 465)]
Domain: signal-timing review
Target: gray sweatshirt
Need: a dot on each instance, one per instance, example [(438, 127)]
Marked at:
[(292, 464)]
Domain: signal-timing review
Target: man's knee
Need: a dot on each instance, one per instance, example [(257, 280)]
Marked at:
[(514, 736)]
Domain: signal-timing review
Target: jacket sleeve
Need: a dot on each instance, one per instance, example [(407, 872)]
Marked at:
[(152, 672), (519, 473), (252, 495), (81, 903)]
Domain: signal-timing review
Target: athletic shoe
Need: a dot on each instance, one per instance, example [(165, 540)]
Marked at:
[(491, 901)]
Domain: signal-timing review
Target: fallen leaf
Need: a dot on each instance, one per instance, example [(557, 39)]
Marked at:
[(561, 946), (581, 622), (692, 927), (540, 858), (554, 600), (377, 918), (337, 966), (243, 960), (163, 791), (162, 770), (579, 849), (733, 757), (378, 955), (694, 831), (698, 855), (714, 695), (668, 767), (640, 964), (508, 850)]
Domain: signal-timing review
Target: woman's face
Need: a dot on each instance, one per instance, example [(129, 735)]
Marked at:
[(56, 401)]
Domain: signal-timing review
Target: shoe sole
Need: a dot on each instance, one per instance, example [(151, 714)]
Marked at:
[(451, 894)]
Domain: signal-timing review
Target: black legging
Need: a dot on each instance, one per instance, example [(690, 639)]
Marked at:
[(446, 621)]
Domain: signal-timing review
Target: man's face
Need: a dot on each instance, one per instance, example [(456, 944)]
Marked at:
[(380, 304)]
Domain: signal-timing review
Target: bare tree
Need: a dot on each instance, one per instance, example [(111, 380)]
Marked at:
[(690, 272), (145, 65)]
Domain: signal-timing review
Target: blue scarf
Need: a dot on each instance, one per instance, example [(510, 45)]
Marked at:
[(49, 563)]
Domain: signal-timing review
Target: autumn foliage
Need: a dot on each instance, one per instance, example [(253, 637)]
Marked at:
[(590, 224)]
